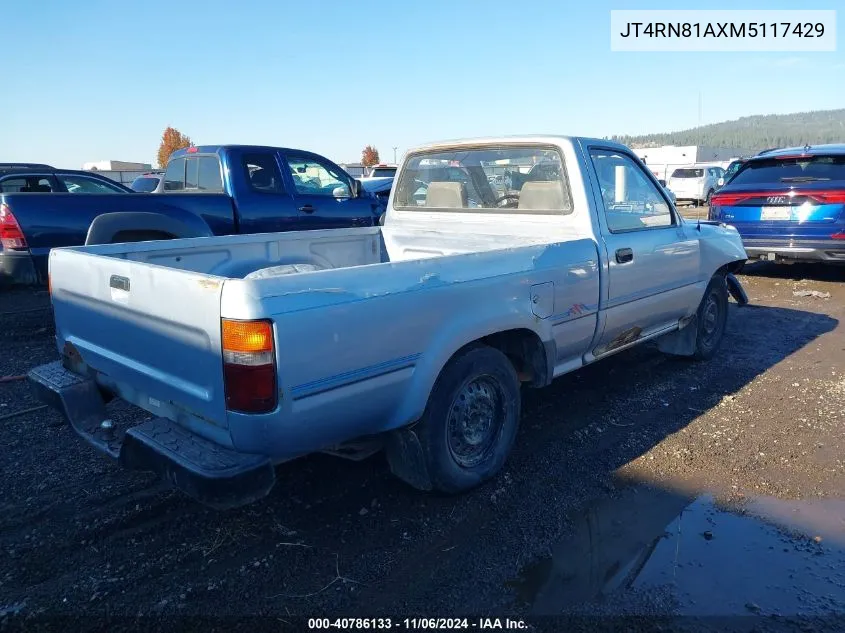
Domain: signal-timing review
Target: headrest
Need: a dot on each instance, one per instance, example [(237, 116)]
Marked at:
[(446, 195)]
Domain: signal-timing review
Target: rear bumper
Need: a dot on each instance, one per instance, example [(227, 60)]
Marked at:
[(827, 251), (212, 474), (17, 267)]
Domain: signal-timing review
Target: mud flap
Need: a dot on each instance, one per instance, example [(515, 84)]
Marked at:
[(681, 342), (736, 290), (406, 460)]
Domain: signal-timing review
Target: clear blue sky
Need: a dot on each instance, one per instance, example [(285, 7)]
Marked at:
[(98, 80)]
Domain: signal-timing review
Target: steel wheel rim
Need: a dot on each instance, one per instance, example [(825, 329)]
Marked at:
[(710, 320), (475, 421)]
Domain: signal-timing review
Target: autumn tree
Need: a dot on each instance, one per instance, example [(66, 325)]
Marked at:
[(369, 156), (171, 140)]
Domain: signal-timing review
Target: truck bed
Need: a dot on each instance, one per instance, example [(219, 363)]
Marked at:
[(144, 318)]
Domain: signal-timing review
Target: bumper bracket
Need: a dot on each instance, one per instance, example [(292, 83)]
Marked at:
[(212, 474)]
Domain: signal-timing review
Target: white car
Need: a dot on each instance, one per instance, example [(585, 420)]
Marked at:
[(695, 184)]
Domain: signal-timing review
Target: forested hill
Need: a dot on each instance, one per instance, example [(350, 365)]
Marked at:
[(754, 132)]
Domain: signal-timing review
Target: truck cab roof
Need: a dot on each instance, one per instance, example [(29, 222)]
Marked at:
[(550, 139), (217, 149)]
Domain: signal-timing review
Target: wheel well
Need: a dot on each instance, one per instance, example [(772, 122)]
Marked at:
[(526, 351), (140, 236), (734, 267)]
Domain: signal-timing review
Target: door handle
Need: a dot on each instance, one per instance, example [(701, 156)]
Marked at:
[(624, 255), (307, 209)]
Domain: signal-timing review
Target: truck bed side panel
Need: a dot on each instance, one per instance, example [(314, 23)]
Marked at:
[(342, 375), (151, 333)]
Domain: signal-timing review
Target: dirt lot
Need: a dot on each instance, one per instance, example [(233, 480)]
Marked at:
[(599, 511)]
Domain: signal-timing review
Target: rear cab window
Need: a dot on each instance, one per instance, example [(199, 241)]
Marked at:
[(174, 176), (493, 179), (688, 173), (145, 184), (194, 174), (799, 169)]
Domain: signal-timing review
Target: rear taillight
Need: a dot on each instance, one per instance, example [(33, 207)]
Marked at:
[(11, 235), (249, 366), (834, 196), (728, 199), (838, 236), (821, 196)]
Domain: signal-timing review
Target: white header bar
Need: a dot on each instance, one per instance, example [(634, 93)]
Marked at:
[(719, 31)]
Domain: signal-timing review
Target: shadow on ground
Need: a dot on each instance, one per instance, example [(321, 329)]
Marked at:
[(77, 534)]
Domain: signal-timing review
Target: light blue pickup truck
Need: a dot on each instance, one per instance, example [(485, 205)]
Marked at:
[(246, 350)]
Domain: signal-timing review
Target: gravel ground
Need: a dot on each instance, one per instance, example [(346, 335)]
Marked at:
[(764, 419)]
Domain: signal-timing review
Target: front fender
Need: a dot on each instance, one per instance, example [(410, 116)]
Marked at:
[(721, 245)]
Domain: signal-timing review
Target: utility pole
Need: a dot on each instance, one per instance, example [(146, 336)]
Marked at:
[(394, 154)]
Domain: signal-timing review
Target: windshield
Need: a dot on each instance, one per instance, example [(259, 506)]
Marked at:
[(732, 168), (688, 173), (145, 184), (528, 179), (798, 169)]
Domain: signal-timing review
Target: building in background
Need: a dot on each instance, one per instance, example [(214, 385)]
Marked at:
[(121, 171), (356, 170), (661, 160)]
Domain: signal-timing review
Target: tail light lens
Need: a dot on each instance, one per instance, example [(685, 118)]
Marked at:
[(838, 236), (11, 235), (249, 366), (820, 196)]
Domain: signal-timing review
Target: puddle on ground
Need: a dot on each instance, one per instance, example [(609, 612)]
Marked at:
[(763, 556)]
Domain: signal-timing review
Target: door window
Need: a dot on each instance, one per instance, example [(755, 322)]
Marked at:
[(262, 172), (26, 184), (631, 200), (316, 178)]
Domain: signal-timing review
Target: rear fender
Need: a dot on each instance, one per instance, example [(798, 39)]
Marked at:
[(457, 335), (105, 227)]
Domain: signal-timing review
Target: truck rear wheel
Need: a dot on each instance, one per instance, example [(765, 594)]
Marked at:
[(712, 318), (471, 420)]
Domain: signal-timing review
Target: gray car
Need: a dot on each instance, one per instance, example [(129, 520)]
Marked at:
[(152, 182)]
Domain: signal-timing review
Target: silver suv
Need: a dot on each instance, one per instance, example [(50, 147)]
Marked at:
[(695, 184)]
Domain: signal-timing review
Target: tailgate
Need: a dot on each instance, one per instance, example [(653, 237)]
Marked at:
[(151, 333), (683, 187)]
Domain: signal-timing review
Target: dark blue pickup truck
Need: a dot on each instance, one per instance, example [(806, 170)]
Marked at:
[(208, 190)]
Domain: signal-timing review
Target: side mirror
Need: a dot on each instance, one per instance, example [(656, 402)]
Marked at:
[(357, 188), (341, 192)]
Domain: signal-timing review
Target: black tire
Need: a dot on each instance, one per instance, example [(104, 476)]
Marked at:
[(471, 420), (712, 317)]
